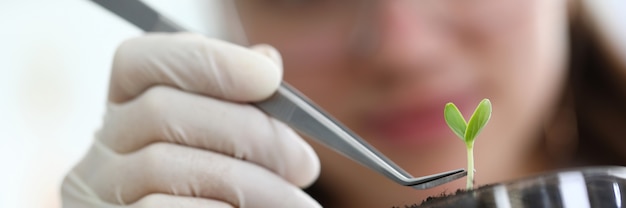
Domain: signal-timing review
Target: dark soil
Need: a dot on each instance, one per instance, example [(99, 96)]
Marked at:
[(441, 197)]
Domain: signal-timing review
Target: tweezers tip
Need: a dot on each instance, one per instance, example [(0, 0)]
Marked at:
[(439, 179)]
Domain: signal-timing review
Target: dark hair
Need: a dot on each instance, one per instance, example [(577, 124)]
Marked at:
[(592, 119)]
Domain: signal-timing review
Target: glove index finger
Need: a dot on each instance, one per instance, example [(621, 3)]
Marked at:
[(196, 64)]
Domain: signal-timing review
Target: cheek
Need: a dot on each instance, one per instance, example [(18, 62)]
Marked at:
[(317, 65), (310, 62), (525, 73), (530, 67)]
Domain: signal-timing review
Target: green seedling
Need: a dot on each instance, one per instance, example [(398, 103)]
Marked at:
[(468, 131)]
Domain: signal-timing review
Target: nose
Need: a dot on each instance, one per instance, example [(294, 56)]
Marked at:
[(399, 37)]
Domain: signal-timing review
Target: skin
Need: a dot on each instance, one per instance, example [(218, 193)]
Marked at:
[(393, 91)]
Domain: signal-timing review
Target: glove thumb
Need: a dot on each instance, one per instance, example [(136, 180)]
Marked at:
[(270, 52)]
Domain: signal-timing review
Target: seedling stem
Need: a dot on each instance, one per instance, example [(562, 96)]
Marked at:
[(470, 167)]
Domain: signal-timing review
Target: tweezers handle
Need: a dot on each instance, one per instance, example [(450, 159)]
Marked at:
[(291, 107)]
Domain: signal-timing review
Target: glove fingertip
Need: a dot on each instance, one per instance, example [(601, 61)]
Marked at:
[(269, 52), (268, 81)]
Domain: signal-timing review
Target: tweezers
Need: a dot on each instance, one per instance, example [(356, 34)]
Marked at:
[(291, 107)]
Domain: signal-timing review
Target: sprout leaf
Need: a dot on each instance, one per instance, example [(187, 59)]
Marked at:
[(479, 119), (455, 120)]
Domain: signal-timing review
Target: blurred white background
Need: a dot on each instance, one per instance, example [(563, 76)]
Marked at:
[(54, 70)]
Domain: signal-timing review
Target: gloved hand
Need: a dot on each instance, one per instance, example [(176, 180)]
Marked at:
[(178, 131)]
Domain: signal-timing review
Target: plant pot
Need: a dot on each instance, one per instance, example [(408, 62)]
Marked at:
[(582, 187)]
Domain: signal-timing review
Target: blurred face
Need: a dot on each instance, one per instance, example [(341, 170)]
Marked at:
[(386, 69)]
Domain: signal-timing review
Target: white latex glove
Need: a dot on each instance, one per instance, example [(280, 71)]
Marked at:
[(178, 131)]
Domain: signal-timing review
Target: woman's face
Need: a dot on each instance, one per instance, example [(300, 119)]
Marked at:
[(386, 69)]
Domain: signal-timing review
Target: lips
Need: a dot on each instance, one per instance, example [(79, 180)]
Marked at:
[(420, 125)]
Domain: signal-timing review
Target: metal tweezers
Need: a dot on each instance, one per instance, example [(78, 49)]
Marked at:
[(297, 111), (294, 109)]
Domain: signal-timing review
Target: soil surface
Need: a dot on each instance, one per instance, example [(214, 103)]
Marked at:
[(442, 197)]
